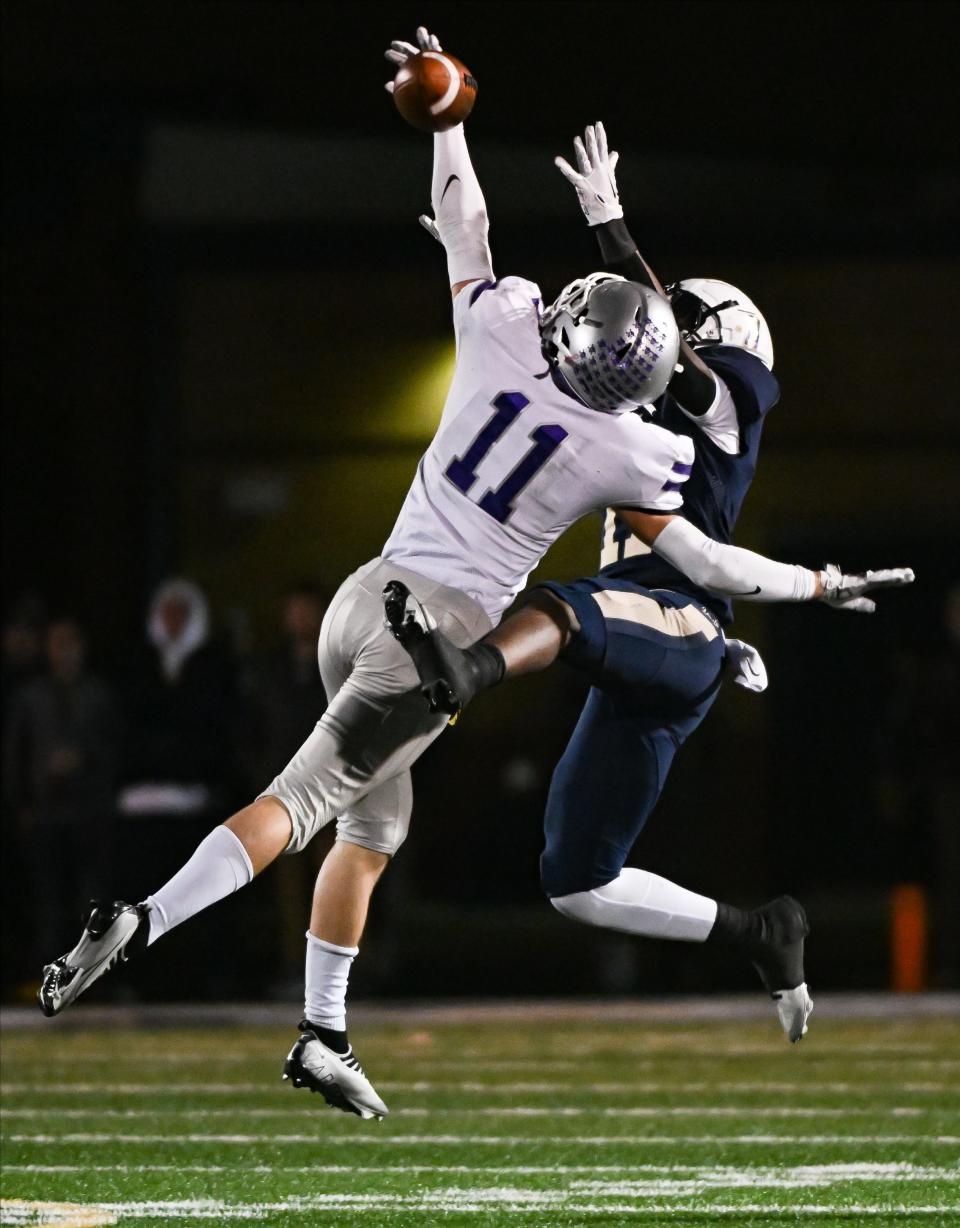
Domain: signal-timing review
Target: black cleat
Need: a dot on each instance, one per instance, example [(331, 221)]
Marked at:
[(448, 675), (778, 957), (113, 932), (338, 1077)]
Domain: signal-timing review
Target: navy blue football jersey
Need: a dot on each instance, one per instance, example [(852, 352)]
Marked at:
[(718, 484)]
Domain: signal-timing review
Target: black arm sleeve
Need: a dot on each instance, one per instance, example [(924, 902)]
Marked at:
[(691, 387), (619, 251)]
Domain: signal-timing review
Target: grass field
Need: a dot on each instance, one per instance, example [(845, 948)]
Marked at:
[(549, 1117)]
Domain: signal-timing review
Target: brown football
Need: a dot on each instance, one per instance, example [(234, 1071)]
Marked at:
[(434, 91)]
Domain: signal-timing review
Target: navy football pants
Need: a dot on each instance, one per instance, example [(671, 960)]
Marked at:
[(654, 659)]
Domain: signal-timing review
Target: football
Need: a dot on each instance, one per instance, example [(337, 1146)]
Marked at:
[(434, 91)]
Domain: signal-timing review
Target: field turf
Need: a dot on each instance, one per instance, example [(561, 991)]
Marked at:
[(544, 1117)]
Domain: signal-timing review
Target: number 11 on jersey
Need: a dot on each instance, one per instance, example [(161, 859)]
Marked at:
[(462, 470)]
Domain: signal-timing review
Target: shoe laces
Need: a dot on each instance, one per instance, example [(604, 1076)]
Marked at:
[(350, 1059)]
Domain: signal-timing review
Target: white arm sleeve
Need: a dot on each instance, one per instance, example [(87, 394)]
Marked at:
[(730, 570), (459, 208)]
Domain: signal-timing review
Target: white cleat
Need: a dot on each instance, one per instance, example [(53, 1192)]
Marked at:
[(338, 1077), (793, 1008), (106, 939)]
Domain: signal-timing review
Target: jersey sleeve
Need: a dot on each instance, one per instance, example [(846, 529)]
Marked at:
[(754, 389), (657, 468), (487, 307), (721, 422)]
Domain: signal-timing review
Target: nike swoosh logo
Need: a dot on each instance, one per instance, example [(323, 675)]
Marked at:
[(751, 592), (452, 179)]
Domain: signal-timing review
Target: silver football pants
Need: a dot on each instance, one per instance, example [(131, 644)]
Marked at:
[(355, 766)]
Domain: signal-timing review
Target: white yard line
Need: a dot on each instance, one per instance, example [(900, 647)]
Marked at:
[(517, 1200), (405, 1140), (62, 1214), (470, 1060), (473, 1087), (818, 1174), (655, 1048), (645, 1111)]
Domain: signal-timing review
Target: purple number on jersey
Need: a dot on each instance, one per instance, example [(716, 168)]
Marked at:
[(462, 470)]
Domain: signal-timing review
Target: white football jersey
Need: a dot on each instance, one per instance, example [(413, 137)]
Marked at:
[(515, 460)]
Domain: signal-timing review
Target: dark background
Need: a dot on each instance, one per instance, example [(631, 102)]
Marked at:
[(226, 340)]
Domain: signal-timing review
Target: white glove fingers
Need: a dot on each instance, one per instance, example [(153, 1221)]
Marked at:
[(593, 152), (612, 165), (582, 160), (404, 49), (601, 141), (388, 86), (891, 577), (565, 169), (858, 605), (427, 41)]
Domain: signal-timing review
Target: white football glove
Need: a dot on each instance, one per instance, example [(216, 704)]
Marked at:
[(746, 664), (596, 182), (847, 592), (400, 51)]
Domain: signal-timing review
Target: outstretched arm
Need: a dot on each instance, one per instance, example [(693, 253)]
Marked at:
[(693, 386), (459, 211), (735, 572)]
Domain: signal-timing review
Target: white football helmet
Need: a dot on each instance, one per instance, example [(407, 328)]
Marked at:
[(614, 341), (710, 311)]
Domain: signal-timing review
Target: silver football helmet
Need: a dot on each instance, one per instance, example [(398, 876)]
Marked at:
[(614, 341), (713, 312)]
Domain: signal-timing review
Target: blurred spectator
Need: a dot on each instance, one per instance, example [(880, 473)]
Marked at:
[(23, 645), (61, 754), (288, 699), (181, 754), (181, 770), (288, 694)]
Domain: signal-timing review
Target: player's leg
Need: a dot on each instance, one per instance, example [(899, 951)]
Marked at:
[(368, 836), (658, 658), (655, 673), (602, 792), (525, 642), (380, 735), (224, 861)]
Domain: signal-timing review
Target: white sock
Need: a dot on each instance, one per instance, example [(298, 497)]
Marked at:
[(219, 867), (327, 972), (638, 902)]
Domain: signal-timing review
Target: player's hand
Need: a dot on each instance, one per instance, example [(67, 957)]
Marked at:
[(399, 51), (595, 181), (746, 665), (848, 592)]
